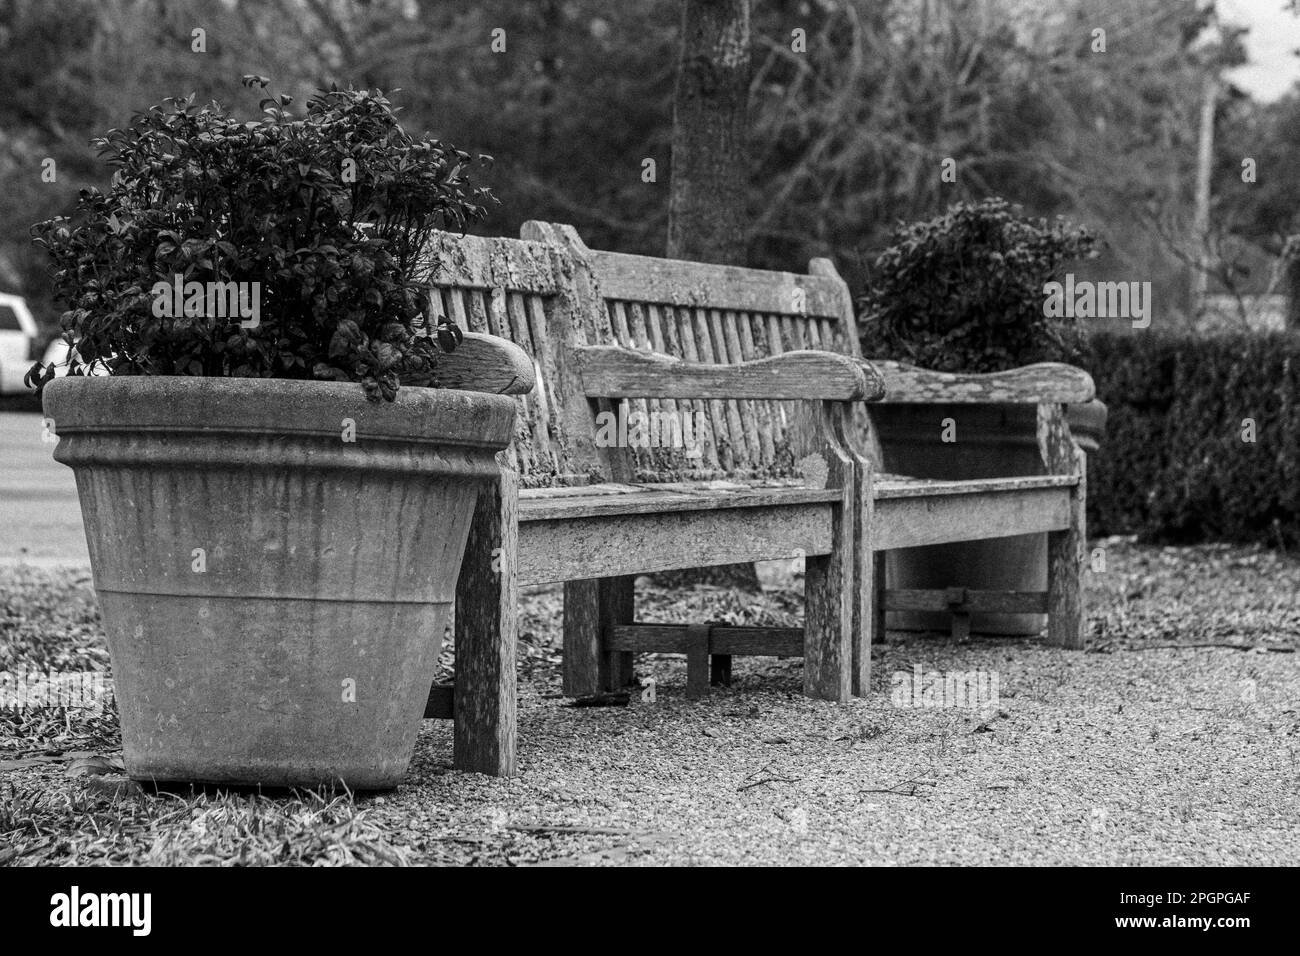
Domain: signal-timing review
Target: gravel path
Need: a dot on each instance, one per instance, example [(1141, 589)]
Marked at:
[(1135, 752), (1142, 757)]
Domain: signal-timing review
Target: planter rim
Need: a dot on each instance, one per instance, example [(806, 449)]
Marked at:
[(280, 406)]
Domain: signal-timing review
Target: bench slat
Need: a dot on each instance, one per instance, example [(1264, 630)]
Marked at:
[(679, 282), (1049, 382), (941, 519), (976, 601), (625, 544), (612, 372), (901, 486), (548, 504), (722, 639), (655, 499), (479, 262)]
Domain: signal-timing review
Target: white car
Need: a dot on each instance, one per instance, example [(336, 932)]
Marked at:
[(17, 333), (57, 354)]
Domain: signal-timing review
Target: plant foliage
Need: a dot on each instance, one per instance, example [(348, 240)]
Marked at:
[(963, 292), (329, 212), (1202, 439)]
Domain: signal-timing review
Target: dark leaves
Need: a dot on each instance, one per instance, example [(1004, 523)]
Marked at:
[(38, 376), (964, 291), (347, 337), (449, 335), (280, 201)]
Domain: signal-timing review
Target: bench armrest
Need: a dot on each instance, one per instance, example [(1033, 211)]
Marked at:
[(486, 363), (1044, 383), (614, 372)]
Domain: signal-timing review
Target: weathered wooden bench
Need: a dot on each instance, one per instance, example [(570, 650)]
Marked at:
[(781, 465), (570, 507)]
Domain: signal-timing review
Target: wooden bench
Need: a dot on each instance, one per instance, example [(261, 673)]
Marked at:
[(781, 466)]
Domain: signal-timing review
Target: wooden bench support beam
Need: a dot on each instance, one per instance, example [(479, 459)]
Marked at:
[(486, 628), (974, 601), (963, 602), (697, 661), (580, 673), (878, 572), (622, 545), (617, 598), (591, 607), (955, 598), (723, 640), (1061, 455), (831, 588), (868, 574), (942, 519)]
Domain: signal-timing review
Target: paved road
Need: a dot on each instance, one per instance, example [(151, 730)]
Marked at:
[(40, 520)]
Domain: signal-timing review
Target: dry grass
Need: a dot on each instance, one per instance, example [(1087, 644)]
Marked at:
[(1145, 749)]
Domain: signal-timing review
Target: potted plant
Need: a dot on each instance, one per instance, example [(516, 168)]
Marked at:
[(964, 292), (276, 505)]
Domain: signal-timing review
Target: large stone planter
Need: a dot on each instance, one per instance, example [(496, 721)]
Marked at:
[(992, 441), (275, 595)]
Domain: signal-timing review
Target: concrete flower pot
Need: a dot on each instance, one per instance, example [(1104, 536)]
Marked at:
[(992, 441), (275, 594)]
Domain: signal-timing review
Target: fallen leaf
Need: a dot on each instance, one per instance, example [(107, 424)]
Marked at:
[(89, 766), (113, 785)]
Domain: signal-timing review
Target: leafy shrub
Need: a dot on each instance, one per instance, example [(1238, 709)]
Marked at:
[(964, 292), (329, 212), (1173, 465)]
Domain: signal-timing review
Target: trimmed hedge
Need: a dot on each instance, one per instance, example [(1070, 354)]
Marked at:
[(1174, 466)]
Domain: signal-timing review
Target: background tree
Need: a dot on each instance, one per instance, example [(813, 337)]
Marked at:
[(848, 129), (707, 199)]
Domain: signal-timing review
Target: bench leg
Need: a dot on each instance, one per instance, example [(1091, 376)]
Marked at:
[(486, 627), (868, 589), (833, 597), (720, 670), (879, 568), (1066, 621), (697, 661), (617, 606), (591, 607)]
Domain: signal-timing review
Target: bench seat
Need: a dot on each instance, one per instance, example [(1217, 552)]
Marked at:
[(629, 529), (541, 504), (578, 501), (611, 529)]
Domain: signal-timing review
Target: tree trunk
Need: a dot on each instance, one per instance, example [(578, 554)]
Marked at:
[(1291, 280), (1204, 170), (706, 202)]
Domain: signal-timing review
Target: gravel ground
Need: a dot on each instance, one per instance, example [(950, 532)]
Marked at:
[(1158, 745)]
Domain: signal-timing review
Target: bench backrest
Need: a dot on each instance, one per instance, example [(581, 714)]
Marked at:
[(549, 293), (713, 314), (522, 291)]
